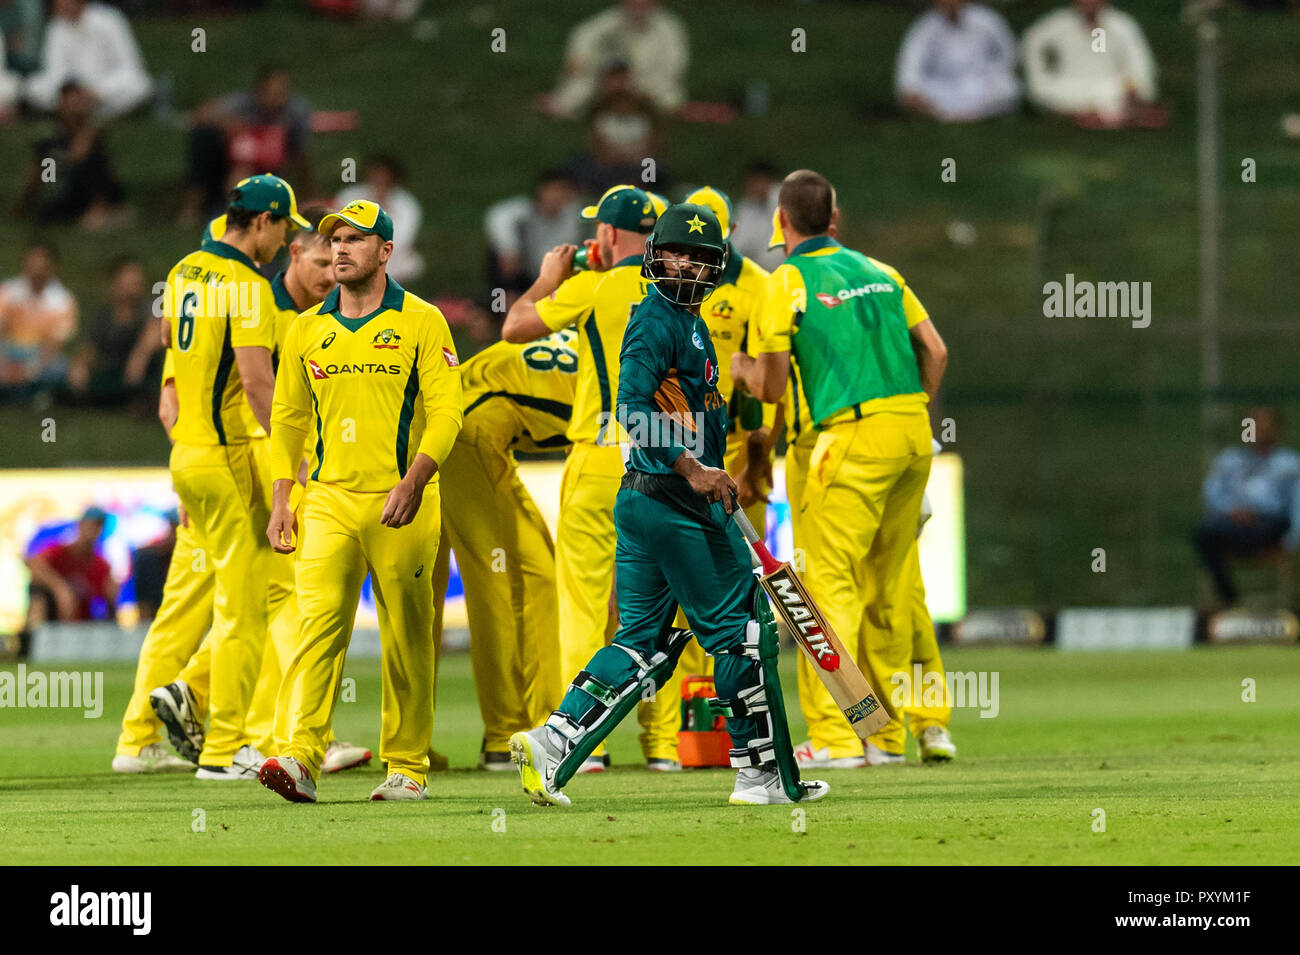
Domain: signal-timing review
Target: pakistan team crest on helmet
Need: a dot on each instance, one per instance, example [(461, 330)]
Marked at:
[(386, 339), (685, 254)]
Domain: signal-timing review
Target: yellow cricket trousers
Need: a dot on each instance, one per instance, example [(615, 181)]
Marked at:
[(857, 515), (584, 568), (176, 647), (223, 491), (175, 635), (342, 540), (915, 618), (507, 565), (282, 640)]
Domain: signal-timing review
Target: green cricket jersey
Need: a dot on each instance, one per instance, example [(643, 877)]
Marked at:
[(668, 398), (846, 319)]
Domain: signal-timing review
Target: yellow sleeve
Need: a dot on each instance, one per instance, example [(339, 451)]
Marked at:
[(912, 308), (786, 297), (257, 328), (291, 411), (568, 303), (440, 387), (169, 366)]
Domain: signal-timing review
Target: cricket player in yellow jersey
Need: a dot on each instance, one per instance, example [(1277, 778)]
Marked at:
[(219, 323), (868, 470), (600, 303), (929, 724), (369, 381), (517, 398), (307, 280), (178, 628), (183, 619)]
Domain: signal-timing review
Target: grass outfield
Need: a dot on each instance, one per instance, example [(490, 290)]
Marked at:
[(1186, 772)]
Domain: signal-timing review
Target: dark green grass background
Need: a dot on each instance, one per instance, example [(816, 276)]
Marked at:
[(1186, 772)]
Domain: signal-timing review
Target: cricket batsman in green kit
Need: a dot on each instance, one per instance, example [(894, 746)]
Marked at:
[(676, 544)]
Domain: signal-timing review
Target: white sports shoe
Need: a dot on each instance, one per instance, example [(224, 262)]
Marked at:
[(398, 786), (660, 765), (878, 757), (592, 764), (340, 755), (245, 765), (288, 777), (809, 756), (762, 787), (175, 706), (537, 762), (936, 745), (152, 759)]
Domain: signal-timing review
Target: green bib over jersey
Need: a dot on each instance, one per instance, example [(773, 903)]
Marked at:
[(851, 342)]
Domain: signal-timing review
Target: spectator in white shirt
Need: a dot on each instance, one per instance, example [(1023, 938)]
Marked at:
[(92, 44), (382, 178), (958, 64), (1092, 62), (652, 41), (522, 229)]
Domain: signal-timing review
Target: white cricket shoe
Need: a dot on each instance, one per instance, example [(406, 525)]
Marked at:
[(878, 757), (288, 777), (175, 706), (809, 757), (152, 759), (398, 786), (592, 764), (246, 763), (340, 756), (537, 761), (936, 745), (660, 765), (762, 787)]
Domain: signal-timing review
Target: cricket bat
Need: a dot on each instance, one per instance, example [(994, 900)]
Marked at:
[(816, 638)]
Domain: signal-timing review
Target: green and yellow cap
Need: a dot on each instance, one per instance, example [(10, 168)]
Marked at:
[(363, 215), (625, 207), (268, 193), (718, 201)]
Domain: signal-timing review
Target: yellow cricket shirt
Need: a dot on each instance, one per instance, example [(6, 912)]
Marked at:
[(365, 395), (600, 304), (731, 312), (798, 423), (216, 301), (286, 310), (523, 394)]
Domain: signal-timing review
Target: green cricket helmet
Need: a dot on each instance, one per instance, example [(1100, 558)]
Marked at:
[(694, 229)]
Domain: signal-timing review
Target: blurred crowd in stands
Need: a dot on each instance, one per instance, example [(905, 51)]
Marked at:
[(76, 67)]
